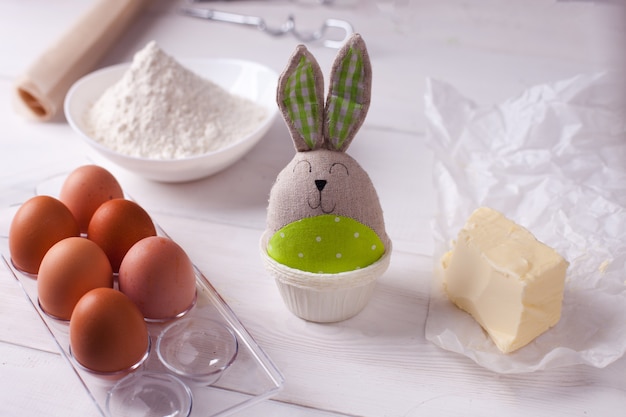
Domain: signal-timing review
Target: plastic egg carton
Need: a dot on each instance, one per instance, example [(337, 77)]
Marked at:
[(204, 363)]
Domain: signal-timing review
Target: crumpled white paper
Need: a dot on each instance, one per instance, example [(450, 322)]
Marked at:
[(552, 159)]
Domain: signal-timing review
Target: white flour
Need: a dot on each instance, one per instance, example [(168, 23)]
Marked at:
[(161, 110)]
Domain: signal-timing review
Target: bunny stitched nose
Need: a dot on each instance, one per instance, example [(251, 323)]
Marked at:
[(320, 184)]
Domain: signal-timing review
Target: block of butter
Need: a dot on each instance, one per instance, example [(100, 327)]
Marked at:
[(511, 283)]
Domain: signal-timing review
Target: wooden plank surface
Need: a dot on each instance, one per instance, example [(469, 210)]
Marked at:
[(378, 363)]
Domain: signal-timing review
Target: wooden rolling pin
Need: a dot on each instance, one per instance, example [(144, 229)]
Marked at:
[(39, 92)]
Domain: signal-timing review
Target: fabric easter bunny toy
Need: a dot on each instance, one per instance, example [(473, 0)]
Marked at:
[(325, 226)]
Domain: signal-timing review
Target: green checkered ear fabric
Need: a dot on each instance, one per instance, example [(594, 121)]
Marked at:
[(349, 94), (300, 97)]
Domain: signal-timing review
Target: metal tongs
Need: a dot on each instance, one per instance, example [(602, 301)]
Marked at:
[(288, 27)]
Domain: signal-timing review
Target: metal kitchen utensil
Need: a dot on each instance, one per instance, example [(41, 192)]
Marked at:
[(288, 27)]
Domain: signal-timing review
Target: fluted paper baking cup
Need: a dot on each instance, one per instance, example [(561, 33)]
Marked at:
[(325, 297)]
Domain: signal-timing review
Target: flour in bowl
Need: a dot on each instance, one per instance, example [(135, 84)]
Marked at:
[(162, 110)]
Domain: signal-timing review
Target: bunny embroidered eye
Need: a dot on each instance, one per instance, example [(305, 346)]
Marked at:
[(302, 166), (338, 168)]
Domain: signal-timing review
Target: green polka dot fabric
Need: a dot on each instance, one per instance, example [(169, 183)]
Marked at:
[(326, 244)]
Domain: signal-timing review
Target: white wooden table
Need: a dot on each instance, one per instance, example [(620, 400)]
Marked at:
[(378, 363)]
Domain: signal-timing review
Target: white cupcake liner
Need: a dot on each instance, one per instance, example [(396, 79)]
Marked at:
[(324, 298)]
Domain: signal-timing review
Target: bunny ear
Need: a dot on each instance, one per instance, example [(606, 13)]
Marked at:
[(349, 94), (300, 97)]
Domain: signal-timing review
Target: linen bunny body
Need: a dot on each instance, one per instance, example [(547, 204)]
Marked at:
[(324, 214)]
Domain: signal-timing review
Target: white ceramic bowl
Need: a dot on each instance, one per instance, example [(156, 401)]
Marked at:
[(247, 79)]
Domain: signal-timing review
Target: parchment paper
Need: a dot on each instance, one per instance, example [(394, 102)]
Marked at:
[(40, 90), (552, 159)]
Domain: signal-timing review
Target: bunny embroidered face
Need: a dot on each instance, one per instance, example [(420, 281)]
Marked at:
[(324, 213)]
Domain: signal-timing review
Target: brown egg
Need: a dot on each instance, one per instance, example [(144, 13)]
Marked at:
[(117, 225), (85, 189), (158, 276), (107, 332), (71, 268), (38, 224)]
